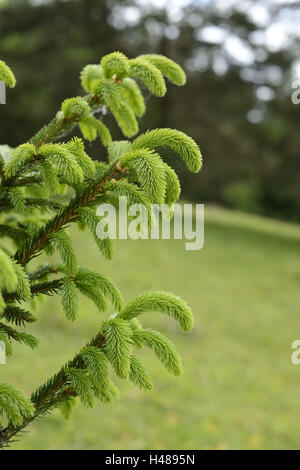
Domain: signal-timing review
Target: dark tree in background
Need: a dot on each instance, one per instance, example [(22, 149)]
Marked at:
[(237, 101)]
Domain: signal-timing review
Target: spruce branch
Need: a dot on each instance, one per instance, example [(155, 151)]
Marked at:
[(52, 393), (12, 232), (17, 315), (44, 270), (46, 288), (60, 126), (32, 176), (65, 216), (20, 337)]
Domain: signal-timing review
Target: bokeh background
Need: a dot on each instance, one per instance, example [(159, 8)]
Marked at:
[(239, 389)]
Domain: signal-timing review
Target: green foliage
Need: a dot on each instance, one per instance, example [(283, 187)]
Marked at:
[(117, 148), (17, 315), (81, 383), (69, 298), (149, 171), (14, 404), (87, 216), (77, 107), (184, 145), (7, 344), (113, 99), (2, 303), (6, 75), (96, 363), (48, 165), (88, 128), (16, 199), (112, 83), (108, 395), (162, 347), (64, 160), (96, 286), (8, 275), (93, 293), (138, 375), (66, 407), (173, 188), (102, 132), (89, 75), (91, 128), (168, 68), (64, 245), (163, 302), (133, 96), (149, 75), (21, 156), (20, 337), (109, 92), (115, 64), (118, 345), (126, 119), (134, 195), (23, 286), (49, 177), (76, 147)]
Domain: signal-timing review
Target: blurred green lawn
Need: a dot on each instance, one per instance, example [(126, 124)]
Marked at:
[(239, 388)]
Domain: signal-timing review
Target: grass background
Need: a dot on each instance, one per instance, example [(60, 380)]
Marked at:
[(239, 388)]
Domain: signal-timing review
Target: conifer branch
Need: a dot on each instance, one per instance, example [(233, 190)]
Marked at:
[(60, 126), (2, 174), (67, 215), (46, 288), (44, 270), (31, 178), (50, 394), (12, 232)]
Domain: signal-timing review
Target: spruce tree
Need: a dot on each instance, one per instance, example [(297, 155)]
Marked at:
[(34, 220)]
